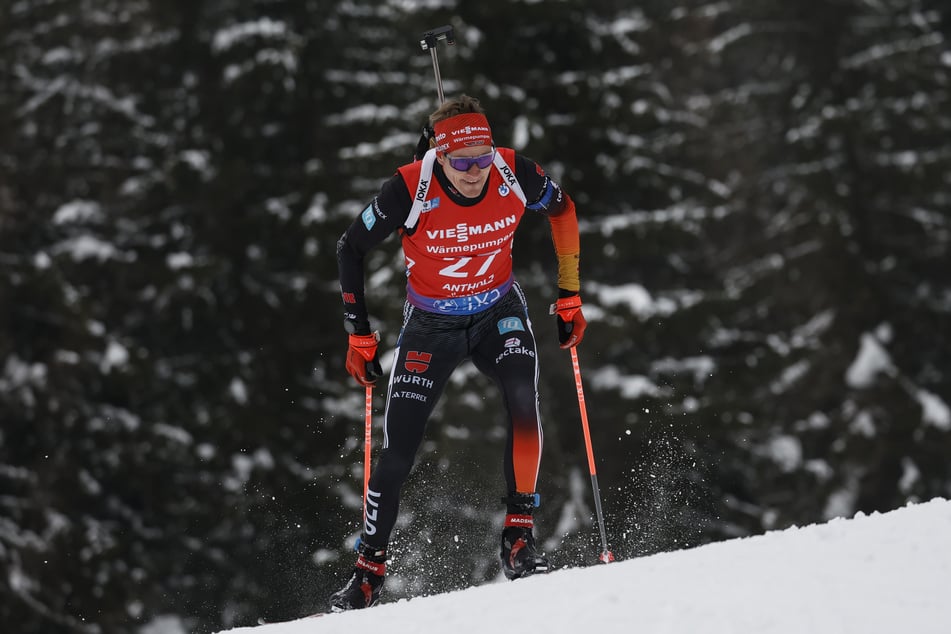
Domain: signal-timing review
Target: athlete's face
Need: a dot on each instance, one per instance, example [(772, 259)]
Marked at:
[(470, 181)]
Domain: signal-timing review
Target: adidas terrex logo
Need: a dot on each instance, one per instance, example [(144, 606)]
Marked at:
[(462, 231)]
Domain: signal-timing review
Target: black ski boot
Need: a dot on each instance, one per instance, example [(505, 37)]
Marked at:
[(365, 585), (519, 556)]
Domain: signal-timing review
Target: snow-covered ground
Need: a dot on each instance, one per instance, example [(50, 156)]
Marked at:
[(880, 573)]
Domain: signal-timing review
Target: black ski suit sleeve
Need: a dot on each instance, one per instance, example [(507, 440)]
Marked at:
[(383, 216), (541, 192)]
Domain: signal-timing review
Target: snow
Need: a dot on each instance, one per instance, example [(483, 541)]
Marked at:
[(630, 386), (228, 37), (872, 360), (77, 211), (879, 573), (934, 410), (717, 44), (115, 356)]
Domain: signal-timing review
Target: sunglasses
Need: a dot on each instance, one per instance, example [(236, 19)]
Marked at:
[(463, 163)]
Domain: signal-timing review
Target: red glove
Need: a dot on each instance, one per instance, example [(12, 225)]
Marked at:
[(571, 323), (362, 362)]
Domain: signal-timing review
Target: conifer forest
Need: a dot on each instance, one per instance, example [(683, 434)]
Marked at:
[(764, 196)]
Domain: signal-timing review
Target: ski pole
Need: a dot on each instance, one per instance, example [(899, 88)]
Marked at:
[(367, 444), (428, 43), (606, 555)]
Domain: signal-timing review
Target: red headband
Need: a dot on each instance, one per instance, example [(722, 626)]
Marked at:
[(469, 129)]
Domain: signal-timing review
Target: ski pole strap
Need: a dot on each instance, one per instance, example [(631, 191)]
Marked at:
[(565, 307)]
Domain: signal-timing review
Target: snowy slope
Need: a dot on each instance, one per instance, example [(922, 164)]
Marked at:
[(882, 573)]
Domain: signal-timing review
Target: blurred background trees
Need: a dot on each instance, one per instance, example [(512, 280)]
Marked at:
[(763, 190)]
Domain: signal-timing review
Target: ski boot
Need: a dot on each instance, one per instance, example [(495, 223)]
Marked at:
[(365, 585), (519, 556)]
